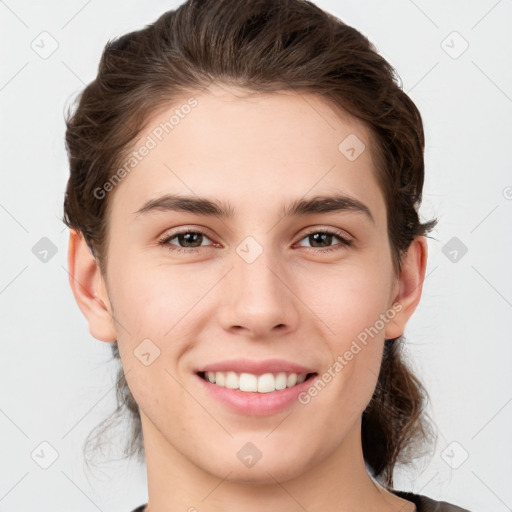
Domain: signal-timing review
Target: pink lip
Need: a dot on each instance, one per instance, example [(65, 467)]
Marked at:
[(256, 367), (256, 404)]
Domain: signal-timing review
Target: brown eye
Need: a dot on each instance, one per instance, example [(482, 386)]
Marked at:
[(320, 239), (323, 240), (185, 241), (190, 239)]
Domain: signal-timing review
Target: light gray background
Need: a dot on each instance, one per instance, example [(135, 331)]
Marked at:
[(56, 378)]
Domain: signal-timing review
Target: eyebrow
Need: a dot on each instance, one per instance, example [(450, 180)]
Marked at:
[(202, 206)]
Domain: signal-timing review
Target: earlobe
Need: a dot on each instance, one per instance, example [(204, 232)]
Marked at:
[(410, 284), (89, 288)]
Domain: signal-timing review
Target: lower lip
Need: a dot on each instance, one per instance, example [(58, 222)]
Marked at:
[(256, 404)]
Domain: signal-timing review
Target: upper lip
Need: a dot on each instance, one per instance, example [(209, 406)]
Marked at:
[(255, 367)]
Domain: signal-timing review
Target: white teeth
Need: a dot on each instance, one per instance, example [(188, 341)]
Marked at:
[(291, 380), (301, 378), (219, 378), (232, 380), (248, 382), (281, 380), (266, 383)]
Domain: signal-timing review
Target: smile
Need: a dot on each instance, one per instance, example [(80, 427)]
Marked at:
[(251, 383)]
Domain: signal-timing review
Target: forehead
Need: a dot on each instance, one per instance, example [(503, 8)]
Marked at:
[(257, 150)]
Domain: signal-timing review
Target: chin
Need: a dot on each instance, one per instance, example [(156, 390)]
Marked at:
[(266, 470)]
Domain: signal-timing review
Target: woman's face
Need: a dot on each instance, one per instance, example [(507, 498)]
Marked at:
[(260, 291)]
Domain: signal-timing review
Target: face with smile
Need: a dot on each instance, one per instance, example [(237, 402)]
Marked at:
[(247, 242)]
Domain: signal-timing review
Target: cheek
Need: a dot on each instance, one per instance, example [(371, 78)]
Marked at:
[(161, 310), (352, 304), (158, 300), (349, 299), (155, 306)]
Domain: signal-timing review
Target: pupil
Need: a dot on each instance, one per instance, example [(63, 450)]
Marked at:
[(324, 238), (191, 238)]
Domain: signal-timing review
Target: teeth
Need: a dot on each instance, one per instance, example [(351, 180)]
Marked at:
[(301, 378), (248, 382), (292, 380), (232, 380)]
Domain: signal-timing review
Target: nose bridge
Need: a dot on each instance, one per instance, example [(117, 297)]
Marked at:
[(258, 298)]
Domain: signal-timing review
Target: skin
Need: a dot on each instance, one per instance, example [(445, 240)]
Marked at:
[(295, 302)]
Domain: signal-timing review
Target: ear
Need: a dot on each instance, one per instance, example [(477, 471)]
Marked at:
[(89, 288), (410, 285)]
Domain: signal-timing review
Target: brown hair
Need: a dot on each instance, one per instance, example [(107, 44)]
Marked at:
[(261, 46)]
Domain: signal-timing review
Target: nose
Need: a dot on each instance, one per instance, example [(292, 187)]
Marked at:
[(258, 298)]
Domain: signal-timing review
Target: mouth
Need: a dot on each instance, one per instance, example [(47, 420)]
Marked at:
[(255, 387), (252, 383)]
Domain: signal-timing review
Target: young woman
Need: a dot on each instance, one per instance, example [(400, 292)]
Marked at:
[(243, 204)]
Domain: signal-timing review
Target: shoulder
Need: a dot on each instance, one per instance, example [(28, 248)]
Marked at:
[(425, 504)]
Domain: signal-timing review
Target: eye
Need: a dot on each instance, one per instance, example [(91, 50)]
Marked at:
[(186, 240), (322, 239)]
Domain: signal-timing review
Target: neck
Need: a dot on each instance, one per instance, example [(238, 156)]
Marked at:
[(340, 478)]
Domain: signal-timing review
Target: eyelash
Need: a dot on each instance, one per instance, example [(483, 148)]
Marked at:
[(344, 242)]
